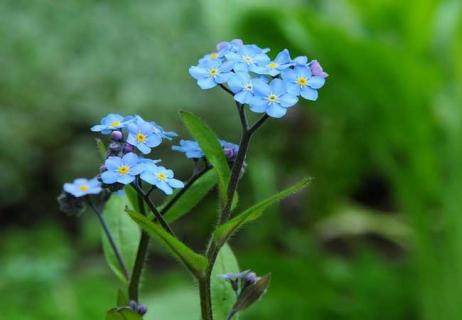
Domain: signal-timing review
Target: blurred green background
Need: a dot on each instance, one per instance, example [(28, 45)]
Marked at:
[(378, 235)]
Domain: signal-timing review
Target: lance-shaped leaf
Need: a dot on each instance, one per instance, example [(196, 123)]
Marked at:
[(101, 149), (191, 197), (211, 147), (223, 295), (195, 262), (122, 314), (226, 230), (125, 234)]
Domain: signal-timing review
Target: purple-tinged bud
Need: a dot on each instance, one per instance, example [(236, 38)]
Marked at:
[(117, 135), (142, 309), (133, 305), (251, 277), (316, 69), (229, 153), (114, 147), (128, 148)]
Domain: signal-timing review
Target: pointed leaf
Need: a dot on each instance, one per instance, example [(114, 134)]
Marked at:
[(226, 230), (124, 231), (223, 295), (190, 198), (195, 262), (122, 299), (210, 145), (123, 314)]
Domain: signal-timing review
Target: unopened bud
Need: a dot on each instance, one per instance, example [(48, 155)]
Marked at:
[(133, 305), (127, 148), (142, 309), (117, 135), (114, 147)]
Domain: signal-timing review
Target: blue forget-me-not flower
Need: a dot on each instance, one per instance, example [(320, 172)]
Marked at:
[(301, 81), (190, 148), (111, 122), (210, 73), (275, 67), (161, 178), (82, 187), (143, 135), (122, 170), (247, 58), (241, 84)]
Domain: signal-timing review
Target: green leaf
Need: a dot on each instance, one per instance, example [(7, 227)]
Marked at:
[(210, 145), (122, 299), (125, 233), (192, 196), (132, 197), (101, 149), (223, 295), (195, 262), (123, 314), (226, 230)]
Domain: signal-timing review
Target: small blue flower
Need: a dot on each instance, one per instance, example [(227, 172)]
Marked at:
[(190, 148), (161, 177), (275, 67), (111, 122), (301, 81), (169, 135), (241, 84), (122, 170), (272, 98), (225, 47), (247, 58), (300, 61), (210, 73), (230, 149), (143, 135), (82, 187)]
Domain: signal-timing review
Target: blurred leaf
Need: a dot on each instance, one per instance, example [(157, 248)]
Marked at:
[(122, 314), (354, 220), (125, 233), (223, 295), (252, 293), (195, 262), (210, 145), (226, 230), (101, 149), (198, 190), (122, 298)]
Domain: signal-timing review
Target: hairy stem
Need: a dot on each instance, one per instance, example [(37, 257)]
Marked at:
[(206, 299), (109, 237), (134, 283)]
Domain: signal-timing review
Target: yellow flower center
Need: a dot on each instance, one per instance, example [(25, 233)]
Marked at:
[(213, 72), (123, 170), (247, 59), (273, 65), (140, 138), (272, 98), (161, 176), (84, 188), (115, 124), (302, 81), (213, 55)]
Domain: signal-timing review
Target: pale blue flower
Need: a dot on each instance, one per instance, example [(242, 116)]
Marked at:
[(82, 187), (241, 84), (190, 148), (301, 81), (161, 178), (210, 73), (122, 170), (111, 122), (169, 135), (300, 61), (247, 58), (143, 135), (275, 67), (272, 98)]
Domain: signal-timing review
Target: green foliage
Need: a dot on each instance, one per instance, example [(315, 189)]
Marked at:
[(226, 230), (210, 145), (189, 199), (101, 147), (194, 262), (252, 293), (125, 233), (223, 296), (122, 314)]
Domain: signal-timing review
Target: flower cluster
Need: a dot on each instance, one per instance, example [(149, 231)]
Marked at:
[(265, 85)]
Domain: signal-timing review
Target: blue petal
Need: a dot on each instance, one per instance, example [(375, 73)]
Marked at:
[(243, 97), (206, 83), (174, 183), (235, 84), (293, 89), (143, 148), (138, 168), (149, 178), (162, 185), (316, 82), (112, 163), (125, 179), (283, 57), (130, 159), (97, 128), (153, 141), (309, 94), (109, 177), (258, 104), (223, 77), (288, 100), (276, 111), (198, 72), (278, 87), (260, 87)]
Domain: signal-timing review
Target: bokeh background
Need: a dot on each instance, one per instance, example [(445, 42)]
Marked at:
[(378, 235)]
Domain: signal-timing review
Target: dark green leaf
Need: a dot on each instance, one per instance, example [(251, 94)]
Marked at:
[(210, 145), (125, 233), (192, 196), (223, 232), (195, 262), (252, 293), (122, 299), (122, 314), (223, 295), (101, 149)]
